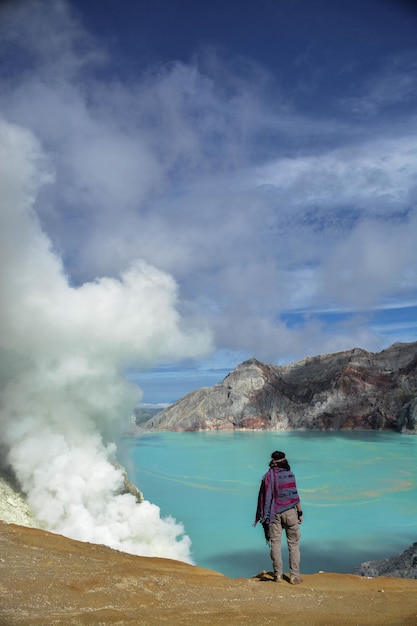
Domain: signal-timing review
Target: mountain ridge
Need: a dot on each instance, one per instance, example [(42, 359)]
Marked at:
[(352, 389)]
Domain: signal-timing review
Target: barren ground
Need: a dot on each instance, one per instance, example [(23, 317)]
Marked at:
[(46, 579)]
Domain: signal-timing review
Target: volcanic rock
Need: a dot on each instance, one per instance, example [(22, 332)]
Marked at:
[(402, 565), (354, 389)]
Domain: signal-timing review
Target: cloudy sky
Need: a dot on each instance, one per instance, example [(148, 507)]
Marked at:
[(259, 157)]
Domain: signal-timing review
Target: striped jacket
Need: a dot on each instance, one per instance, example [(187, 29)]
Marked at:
[(277, 493)]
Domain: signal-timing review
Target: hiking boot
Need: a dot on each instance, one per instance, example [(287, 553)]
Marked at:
[(295, 580), (277, 578)]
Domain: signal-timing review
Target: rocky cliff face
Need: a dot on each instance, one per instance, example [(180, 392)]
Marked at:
[(354, 389)]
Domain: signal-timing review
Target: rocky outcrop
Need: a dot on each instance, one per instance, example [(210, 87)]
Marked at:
[(354, 389), (402, 565), (13, 506)]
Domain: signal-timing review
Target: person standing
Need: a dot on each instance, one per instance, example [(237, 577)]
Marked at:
[(279, 509)]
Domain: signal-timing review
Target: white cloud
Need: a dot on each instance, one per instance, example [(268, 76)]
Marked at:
[(376, 258), (395, 85), (198, 170)]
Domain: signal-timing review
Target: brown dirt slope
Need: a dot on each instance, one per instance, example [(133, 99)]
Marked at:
[(47, 579)]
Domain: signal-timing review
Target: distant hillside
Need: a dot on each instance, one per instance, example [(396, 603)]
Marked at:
[(143, 414), (354, 389)]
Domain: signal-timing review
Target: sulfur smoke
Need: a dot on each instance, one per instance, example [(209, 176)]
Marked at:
[(63, 351)]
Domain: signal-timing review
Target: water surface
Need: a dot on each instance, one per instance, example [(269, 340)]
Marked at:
[(358, 492)]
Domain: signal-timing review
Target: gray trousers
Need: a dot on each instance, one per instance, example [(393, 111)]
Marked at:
[(288, 520)]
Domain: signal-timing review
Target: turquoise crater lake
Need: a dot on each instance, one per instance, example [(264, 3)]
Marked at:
[(358, 493)]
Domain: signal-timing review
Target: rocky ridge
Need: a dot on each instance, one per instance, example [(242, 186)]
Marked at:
[(49, 580), (354, 389)]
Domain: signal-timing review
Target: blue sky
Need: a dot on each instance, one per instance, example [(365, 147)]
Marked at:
[(262, 155)]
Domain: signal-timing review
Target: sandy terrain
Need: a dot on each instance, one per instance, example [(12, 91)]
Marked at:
[(46, 579)]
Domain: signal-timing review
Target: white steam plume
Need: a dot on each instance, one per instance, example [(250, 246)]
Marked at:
[(63, 349)]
